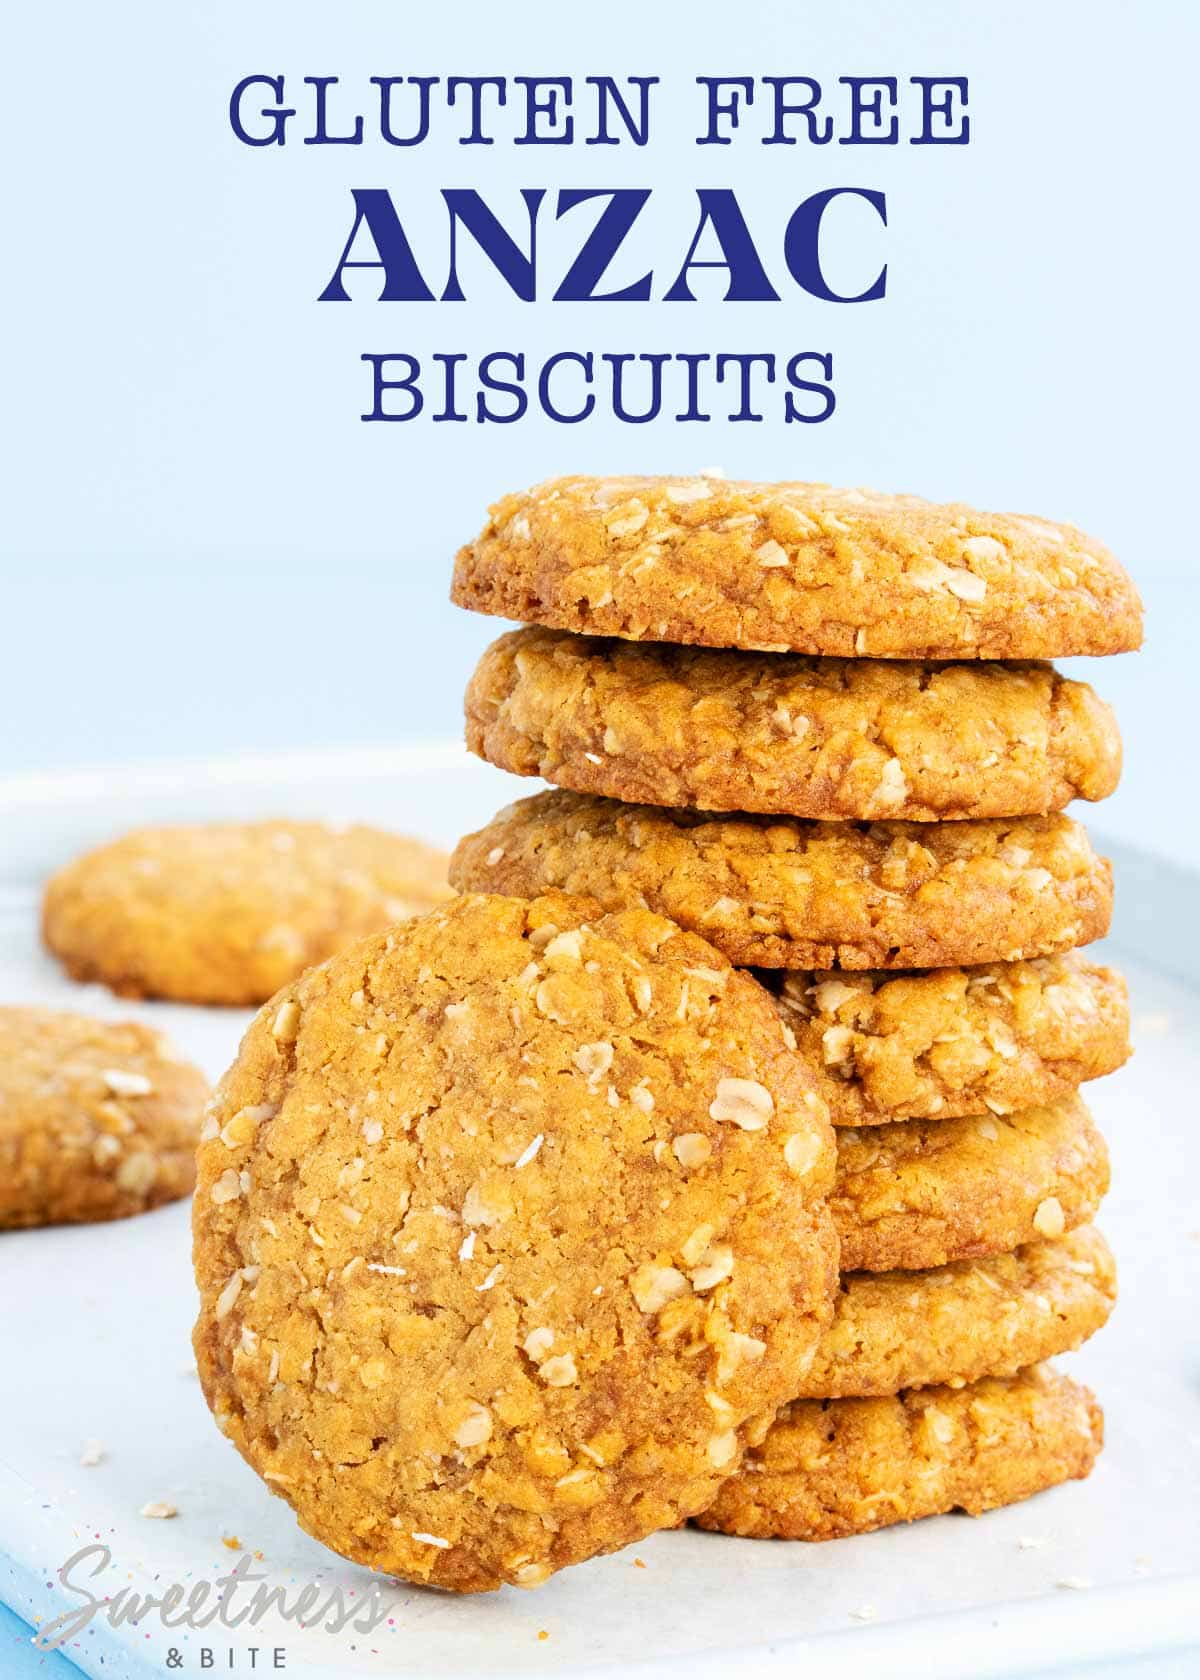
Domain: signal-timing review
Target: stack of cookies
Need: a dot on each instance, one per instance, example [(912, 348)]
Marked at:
[(814, 727)]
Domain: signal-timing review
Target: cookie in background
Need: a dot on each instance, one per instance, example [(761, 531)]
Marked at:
[(226, 913), (98, 1119)]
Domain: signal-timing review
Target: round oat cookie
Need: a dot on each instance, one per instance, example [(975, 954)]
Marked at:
[(942, 1042), (856, 739), (509, 1220), (828, 1469), (799, 567), (774, 893), (924, 1192), (229, 912), (98, 1119), (970, 1319)]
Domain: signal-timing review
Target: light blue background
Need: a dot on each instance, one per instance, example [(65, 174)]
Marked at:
[(206, 551)]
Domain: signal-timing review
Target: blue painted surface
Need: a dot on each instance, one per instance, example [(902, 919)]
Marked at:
[(20, 1661)]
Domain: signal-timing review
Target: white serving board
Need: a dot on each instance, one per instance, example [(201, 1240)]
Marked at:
[(96, 1346)]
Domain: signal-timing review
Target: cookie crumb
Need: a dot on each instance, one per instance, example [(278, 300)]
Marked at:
[(158, 1508), (1075, 1583), (1049, 1219), (93, 1453), (124, 1084), (528, 1153)]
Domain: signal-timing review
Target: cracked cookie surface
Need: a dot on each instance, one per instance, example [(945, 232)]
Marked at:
[(98, 1119), (970, 1319), (840, 1467), (226, 913), (857, 739), (925, 1192), (779, 893), (800, 567), (510, 1225), (949, 1041)]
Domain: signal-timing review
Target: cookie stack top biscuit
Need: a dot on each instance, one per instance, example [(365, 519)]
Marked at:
[(796, 568)]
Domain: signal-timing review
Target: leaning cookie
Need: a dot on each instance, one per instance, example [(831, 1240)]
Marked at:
[(855, 739), (828, 1469), (226, 913), (955, 1324), (925, 1192), (510, 1220), (780, 893), (948, 1041), (98, 1119), (800, 567)]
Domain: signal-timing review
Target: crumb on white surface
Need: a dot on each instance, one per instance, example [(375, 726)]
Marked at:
[(158, 1508), (865, 1613), (1074, 1583), (93, 1453)]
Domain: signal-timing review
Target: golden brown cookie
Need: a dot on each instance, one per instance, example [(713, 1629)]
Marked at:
[(509, 1219), (229, 912), (970, 1319), (802, 567), (774, 893), (924, 1192), (857, 739), (832, 1468), (948, 1041), (98, 1119)]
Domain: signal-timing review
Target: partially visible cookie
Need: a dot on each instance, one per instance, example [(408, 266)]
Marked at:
[(804, 567), (832, 1468), (970, 1319), (924, 1192), (775, 893), (229, 912), (510, 1219), (98, 1119), (857, 739), (948, 1041)]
